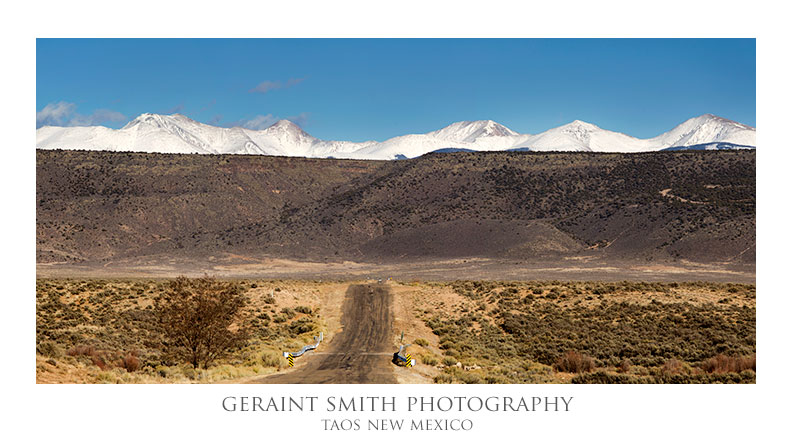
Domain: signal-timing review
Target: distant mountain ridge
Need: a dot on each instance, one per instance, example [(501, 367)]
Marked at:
[(176, 133)]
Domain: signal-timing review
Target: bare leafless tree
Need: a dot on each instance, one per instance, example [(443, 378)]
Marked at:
[(201, 320)]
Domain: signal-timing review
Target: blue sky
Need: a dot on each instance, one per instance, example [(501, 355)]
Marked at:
[(373, 89)]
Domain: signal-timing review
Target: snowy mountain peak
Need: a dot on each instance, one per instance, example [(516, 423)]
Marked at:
[(469, 131), (489, 128), (717, 120), (143, 118), (287, 130), (160, 121), (578, 126), (177, 133), (578, 130), (287, 124), (706, 129), (581, 124)]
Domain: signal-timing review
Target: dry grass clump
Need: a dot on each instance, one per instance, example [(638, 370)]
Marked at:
[(105, 359), (574, 362), (130, 362), (428, 359), (272, 359), (82, 350), (729, 364), (674, 367), (89, 351)]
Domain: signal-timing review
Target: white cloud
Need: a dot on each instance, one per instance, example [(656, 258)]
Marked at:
[(265, 86), (97, 117), (301, 119), (55, 114), (65, 114), (259, 122), (294, 81)]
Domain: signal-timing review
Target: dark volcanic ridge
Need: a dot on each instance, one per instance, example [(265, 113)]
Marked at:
[(664, 207)]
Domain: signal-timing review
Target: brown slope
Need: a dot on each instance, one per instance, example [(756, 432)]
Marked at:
[(100, 205), (473, 238), (104, 206)]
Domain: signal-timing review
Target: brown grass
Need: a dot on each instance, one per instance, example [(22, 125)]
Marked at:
[(131, 363), (574, 362), (674, 367), (99, 361), (106, 360), (729, 364), (82, 350)]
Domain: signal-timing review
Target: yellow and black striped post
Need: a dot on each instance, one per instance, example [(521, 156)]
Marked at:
[(290, 360), (408, 361)]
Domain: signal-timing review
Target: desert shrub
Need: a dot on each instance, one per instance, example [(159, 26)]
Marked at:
[(648, 334), (272, 359), (190, 373), (421, 342), (302, 325), (728, 364), (288, 312), (49, 349), (574, 362), (130, 362), (449, 361), (745, 377), (674, 367), (469, 378), (443, 378), (303, 309), (99, 361), (446, 344), (428, 359), (82, 350), (495, 379), (624, 366), (602, 377)]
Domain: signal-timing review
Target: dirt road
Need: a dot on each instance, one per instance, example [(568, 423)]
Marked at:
[(361, 353)]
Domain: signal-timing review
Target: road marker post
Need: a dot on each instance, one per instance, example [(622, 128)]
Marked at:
[(404, 360), (291, 356)]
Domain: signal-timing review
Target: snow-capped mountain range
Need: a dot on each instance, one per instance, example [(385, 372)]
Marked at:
[(176, 133)]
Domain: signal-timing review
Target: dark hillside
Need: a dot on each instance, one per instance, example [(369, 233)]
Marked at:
[(682, 205)]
